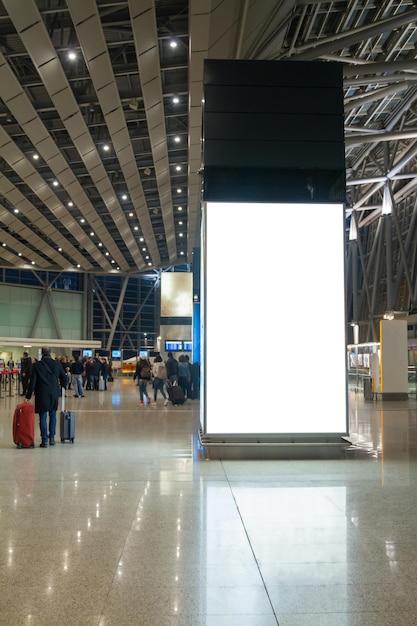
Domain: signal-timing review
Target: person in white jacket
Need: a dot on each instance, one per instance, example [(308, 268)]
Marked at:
[(160, 376)]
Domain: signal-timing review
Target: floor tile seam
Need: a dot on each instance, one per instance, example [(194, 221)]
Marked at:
[(107, 594), (250, 545)]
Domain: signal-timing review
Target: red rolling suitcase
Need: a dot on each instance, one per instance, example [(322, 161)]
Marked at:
[(24, 425)]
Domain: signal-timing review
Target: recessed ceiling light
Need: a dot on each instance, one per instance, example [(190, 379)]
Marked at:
[(19, 254), (180, 235), (70, 204), (180, 223), (124, 196), (181, 253), (177, 139), (130, 214), (33, 262), (179, 190), (71, 55), (112, 261), (117, 267), (178, 168), (35, 156), (136, 228), (4, 245), (143, 249), (55, 183), (175, 100), (173, 43), (100, 244), (78, 265), (91, 234), (106, 147), (16, 210), (59, 249), (82, 220), (107, 253), (141, 239), (180, 208), (149, 263)]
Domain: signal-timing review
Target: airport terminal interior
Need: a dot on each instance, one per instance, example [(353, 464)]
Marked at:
[(133, 524), (102, 185)]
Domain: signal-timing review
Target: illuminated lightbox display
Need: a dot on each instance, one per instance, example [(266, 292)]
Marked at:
[(274, 285), (176, 294)]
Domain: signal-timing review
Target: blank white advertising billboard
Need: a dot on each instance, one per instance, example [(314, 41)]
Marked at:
[(273, 328)]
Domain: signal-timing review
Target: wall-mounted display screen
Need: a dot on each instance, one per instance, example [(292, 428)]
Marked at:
[(116, 354), (278, 284), (144, 353), (174, 346), (188, 346), (88, 354)]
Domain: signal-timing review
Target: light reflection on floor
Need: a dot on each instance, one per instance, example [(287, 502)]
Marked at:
[(133, 525)]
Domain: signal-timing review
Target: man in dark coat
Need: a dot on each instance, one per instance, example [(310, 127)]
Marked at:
[(47, 377)]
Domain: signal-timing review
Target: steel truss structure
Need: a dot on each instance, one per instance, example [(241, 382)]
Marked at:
[(133, 84)]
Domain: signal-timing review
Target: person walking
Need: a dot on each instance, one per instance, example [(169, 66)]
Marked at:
[(47, 377), (25, 370), (172, 368), (184, 377), (77, 369), (95, 371), (160, 376), (104, 372), (143, 374)]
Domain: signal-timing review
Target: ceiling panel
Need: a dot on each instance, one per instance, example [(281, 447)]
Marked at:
[(118, 92)]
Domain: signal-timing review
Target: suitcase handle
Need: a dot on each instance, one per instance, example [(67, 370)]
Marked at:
[(62, 398)]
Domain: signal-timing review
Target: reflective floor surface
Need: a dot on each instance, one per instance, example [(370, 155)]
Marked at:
[(131, 525)]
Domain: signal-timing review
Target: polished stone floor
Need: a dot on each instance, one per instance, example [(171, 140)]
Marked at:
[(132, 525)]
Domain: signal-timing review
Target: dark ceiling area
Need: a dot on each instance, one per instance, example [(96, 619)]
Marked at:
[(101, 106)]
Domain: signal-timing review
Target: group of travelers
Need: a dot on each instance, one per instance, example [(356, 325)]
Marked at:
[(164, 374), (46, 377)]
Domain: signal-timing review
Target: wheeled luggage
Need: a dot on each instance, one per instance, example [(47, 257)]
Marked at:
[(67, 422), (176, 394), (24, 425)]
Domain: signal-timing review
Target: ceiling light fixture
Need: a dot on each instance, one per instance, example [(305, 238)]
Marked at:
[(179, 190), (177, 139), (180, 208), (178, 168), (124, 197), (173, 43), (55, 183), (175, 100), (71, 55), (35, 156), (106, 147), (16, 210), (70, 204)]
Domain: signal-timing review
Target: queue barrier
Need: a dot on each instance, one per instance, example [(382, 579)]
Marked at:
[(7, 377)]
